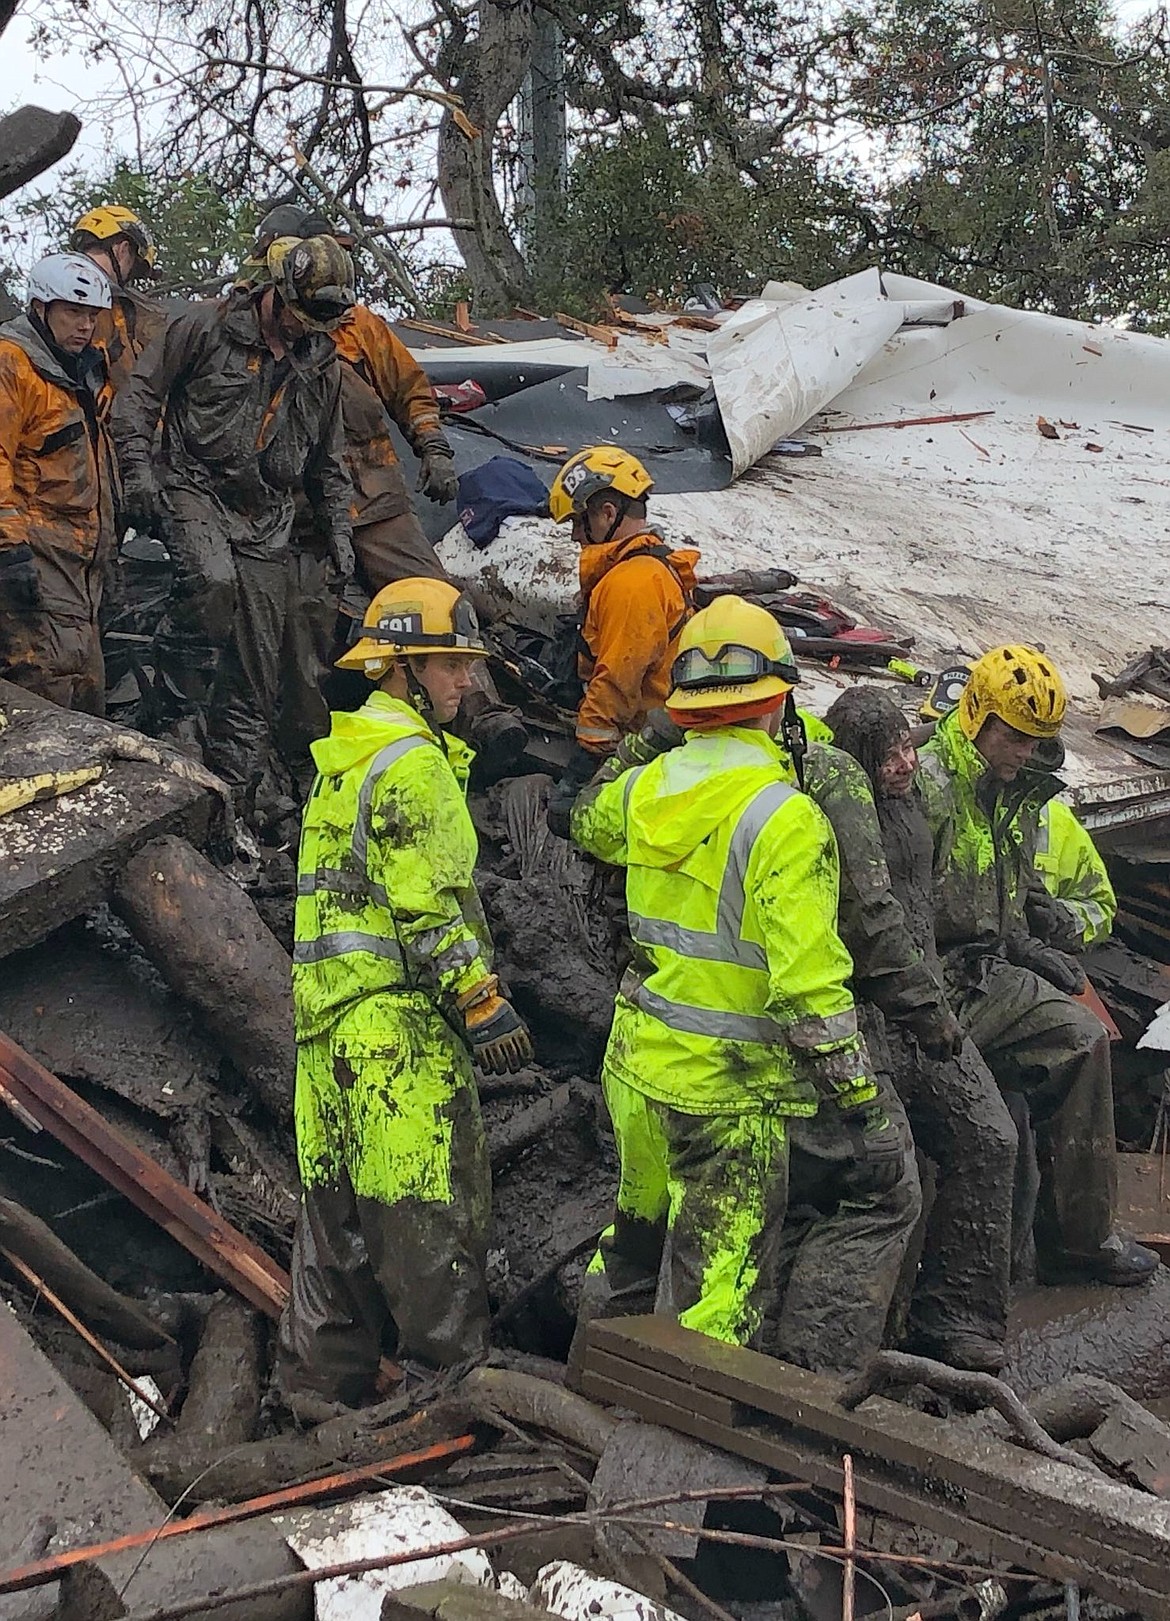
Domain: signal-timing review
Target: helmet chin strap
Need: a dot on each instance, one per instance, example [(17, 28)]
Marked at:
[(422, 701), (795, 740)]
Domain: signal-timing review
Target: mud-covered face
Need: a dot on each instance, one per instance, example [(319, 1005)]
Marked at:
[(896, 772), (1005, 750), (447, 677)]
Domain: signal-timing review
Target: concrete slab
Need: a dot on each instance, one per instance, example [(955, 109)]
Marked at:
[(59, 857)]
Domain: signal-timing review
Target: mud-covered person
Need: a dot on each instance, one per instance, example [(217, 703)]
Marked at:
[(247, 391), (866, 785), (735, 1021), (58, 487), (1012, 990), (394, 999)]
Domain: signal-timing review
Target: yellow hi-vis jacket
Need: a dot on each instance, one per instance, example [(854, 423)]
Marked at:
[(1072, 870), (386, 898), (737, 997)]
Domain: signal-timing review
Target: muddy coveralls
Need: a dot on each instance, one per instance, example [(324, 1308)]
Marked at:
[(380, 381), (733, 1019), (1073, 873), (636, 598), (1035, 1039), (242, 433), (58, 489), (956, 1112), (390, 1144)]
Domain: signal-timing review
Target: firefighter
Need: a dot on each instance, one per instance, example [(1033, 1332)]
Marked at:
[(635, 599), (1073, 873), (58, 487), (394, 1000), (247, 389), (865, 786), (1011, 991), (122, 247), (734, 1019)]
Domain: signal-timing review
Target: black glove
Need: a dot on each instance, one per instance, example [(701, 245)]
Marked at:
[(142, 508), (437, 478), (659, 734), (341, 557), (20, 584), (937, 1032), (563, 797), (879, 1155), (1051, 922), (1057, 967)]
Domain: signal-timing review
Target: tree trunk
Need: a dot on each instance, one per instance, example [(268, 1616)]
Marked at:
[(487, 73)]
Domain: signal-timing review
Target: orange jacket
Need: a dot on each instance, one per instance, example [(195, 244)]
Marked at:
[(635, 605), (58, 482), (380, 377), (122, 333)]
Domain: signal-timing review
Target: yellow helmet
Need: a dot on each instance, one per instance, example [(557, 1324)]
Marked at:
[(592, 470), (730, 653), (1018, 685), (109, 221), (416, 616), (314, 277)]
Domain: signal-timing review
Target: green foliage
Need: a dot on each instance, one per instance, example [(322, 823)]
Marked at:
[(202, 234), (645, 214)]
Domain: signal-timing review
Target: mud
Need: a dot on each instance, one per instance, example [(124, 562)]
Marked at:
[(1114, 1334)]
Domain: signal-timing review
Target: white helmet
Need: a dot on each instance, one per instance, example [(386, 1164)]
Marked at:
[(70, 278)]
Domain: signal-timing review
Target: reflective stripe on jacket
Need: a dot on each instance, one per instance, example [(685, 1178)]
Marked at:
[(738, 985), (1070, 865), (58, 483), (386, 898), (635, 606)]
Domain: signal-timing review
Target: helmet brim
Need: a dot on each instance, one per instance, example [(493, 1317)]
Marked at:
[(694, 700), (368, 650)]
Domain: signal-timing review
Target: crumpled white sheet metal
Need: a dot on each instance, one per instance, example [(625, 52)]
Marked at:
[(399, 1519), (569, 1591)]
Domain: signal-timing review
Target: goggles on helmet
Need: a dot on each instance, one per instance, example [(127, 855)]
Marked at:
[(732, 666)]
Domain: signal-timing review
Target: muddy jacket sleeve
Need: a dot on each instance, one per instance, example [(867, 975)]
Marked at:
[(1072, 871), (402, 385), (14, 407), (632, 613), (792, 877), (598, 821), (327, 481), (888, 968), (423, 851), (140, 405)]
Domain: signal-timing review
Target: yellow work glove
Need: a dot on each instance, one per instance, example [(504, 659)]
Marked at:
[(500, 1043)]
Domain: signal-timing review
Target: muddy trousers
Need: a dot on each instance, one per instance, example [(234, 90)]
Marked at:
[(394, 549), (55, 651), (696, 1229), (841, 1254), (961, 1122), (395, 1206), (1040, 1042)]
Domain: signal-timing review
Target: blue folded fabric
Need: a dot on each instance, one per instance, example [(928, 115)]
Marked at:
[(501, 488)]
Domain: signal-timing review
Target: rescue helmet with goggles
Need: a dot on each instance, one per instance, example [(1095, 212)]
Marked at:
[(294, 219), (105, 224), (593, 471), (412, 618), (1018, 685), (314, 278), (69, 278), (731, 654)]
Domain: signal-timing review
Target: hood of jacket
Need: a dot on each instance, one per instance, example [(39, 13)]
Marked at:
[(1033, 786), (596, 561), (695, 789), (24, 335), (355, 738), (239, 314)]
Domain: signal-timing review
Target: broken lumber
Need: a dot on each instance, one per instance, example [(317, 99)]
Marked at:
[(213, 949), (107, 1311), (242, 1265), (903, 422), (1125, 1436), (42, 1571), (540, 1405), (528, 1125), (987, 1495)]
